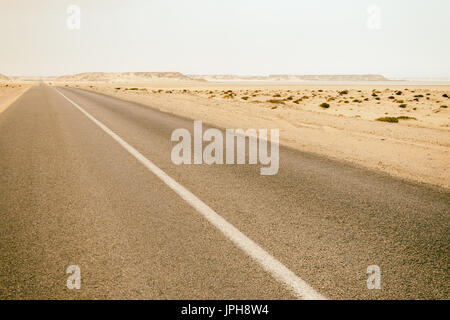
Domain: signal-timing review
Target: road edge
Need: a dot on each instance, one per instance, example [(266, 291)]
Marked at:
[(9, 102)]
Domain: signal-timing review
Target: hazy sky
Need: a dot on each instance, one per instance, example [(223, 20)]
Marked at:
[(227, 37)]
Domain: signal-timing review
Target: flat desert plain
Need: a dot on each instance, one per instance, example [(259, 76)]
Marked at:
[(402, 130)]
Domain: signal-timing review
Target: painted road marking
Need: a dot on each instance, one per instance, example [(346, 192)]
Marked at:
[(278, 270)]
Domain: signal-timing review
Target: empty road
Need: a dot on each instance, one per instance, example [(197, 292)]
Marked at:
[(87, 180)]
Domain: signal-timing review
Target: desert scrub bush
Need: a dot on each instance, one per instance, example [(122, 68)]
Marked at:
[(357, 101), (406, 118), (445, 95), (297, 101), (244, 98), (276, 95), (324, 105), (444, 107), (289, 98), (403, 105), (387, 119), (399, 101), (343, 92), (278, 101), (391, 97), (133, 89), (377, 98), (399, 93), (418, 96)]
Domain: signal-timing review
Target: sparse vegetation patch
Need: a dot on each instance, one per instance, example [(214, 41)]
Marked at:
[(388, 119), (279, 101), (406, 118)]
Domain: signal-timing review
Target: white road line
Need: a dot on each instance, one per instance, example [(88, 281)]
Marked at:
[(278, 270)]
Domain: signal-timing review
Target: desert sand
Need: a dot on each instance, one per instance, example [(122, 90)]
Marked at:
[(10, 91), (401, 130)]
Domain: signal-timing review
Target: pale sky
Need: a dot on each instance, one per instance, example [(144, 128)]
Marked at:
[(246, 37)]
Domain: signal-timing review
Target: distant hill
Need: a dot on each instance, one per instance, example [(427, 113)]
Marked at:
[(4, 78), (344, 77), (125, 76), (293, 78), (227, 77), (177, 76)]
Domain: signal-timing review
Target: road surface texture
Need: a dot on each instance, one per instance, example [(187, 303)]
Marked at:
[(72, 195)]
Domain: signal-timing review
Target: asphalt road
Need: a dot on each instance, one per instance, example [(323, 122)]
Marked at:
[(72, 195)]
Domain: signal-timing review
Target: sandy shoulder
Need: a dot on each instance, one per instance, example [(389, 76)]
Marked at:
[(417, 148), (10, 92)]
